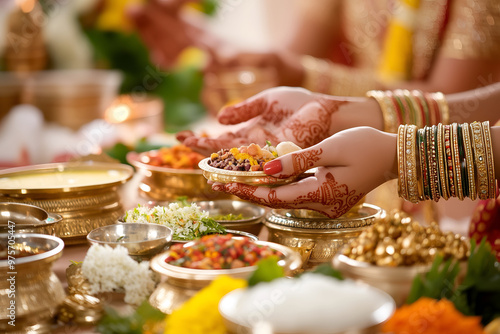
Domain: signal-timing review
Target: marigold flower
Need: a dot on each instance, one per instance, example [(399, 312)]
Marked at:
[(430, 316), (200, 314)]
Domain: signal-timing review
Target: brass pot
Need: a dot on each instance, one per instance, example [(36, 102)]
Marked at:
[(316, 237), (168, 184), (179, 284), (29, 283), (83, 193)]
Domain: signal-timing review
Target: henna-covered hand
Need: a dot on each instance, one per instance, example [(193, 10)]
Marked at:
[(277, 114), (350, 164)]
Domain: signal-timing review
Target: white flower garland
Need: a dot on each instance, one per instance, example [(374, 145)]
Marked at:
[(109, 269)]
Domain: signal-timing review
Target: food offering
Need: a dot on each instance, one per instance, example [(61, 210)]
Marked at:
[(187, 222), (177, 157), (246, 164), (168, 173), (220, 252)]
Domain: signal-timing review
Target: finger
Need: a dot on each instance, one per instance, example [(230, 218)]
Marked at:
[(207, 146), (320, 155), (325, 192), (182, 135), (274, 100)]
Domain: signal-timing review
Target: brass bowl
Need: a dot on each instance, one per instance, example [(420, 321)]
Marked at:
[(179, 284), (30, 282), (396, 281), (308, 304), (84, 193), (168, 184), (142, 241), (252, 214), (258, 178), (26, 218), (316, 237)]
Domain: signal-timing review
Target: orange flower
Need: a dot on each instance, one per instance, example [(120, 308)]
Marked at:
[(430, 316)]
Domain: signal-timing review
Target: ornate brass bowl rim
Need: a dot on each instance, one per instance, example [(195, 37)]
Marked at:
[(36, 257), (134, 159), (67, 166), (292, 261), (324, 224)]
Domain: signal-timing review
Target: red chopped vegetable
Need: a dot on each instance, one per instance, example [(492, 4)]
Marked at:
[(219, 252)]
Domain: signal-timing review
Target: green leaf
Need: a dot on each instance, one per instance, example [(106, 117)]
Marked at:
[(213, 226), (114, 323), (267, 270), (327, 270), (437, 283)]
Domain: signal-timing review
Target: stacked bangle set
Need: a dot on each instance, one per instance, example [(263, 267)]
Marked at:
[(445, 161), (410, 107)]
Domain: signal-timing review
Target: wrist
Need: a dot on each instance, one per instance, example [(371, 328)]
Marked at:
[(357, 112)]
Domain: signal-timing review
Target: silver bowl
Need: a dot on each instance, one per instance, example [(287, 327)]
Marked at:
[(26, 218), (142, 241), (29, 281), (252, 214)]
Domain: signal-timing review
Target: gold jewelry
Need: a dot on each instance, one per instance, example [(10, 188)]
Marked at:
[(456, 161), (388, 112), (415, 107), (411, 163), (480, 160), (401, 162), (469, 159), (433, 165), (489, 160), (442, 162), (444, 110), (449, 161)]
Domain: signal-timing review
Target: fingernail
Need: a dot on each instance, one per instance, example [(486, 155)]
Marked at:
[(273, 167)]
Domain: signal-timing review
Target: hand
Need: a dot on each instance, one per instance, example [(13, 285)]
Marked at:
[(350, 164), (164, 29), (287, 114)]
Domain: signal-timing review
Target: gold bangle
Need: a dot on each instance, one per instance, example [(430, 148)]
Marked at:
[(469, 159), (411, 163), (433, 165), (489, 160), (401, 162), (444, 110), (388, 112), (456, 161), (480, 160), (449, 161), (441, 162)]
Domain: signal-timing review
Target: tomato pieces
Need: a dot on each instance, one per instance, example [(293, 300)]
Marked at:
[(178, 156), (219, 252)]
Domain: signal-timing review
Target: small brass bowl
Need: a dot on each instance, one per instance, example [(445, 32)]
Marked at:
[(396, 281), (30, 282), (85, 194), (252, 214), (179, 284), (316, 237), (258, 178), (142, 241), (25, 218), (168, 184)]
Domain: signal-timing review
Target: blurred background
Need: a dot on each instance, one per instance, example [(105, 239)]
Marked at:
[(77, 77)]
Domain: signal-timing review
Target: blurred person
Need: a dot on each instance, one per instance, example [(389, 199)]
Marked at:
[(349, 47)]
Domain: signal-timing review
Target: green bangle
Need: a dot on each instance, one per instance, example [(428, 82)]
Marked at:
[(463, 162)]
